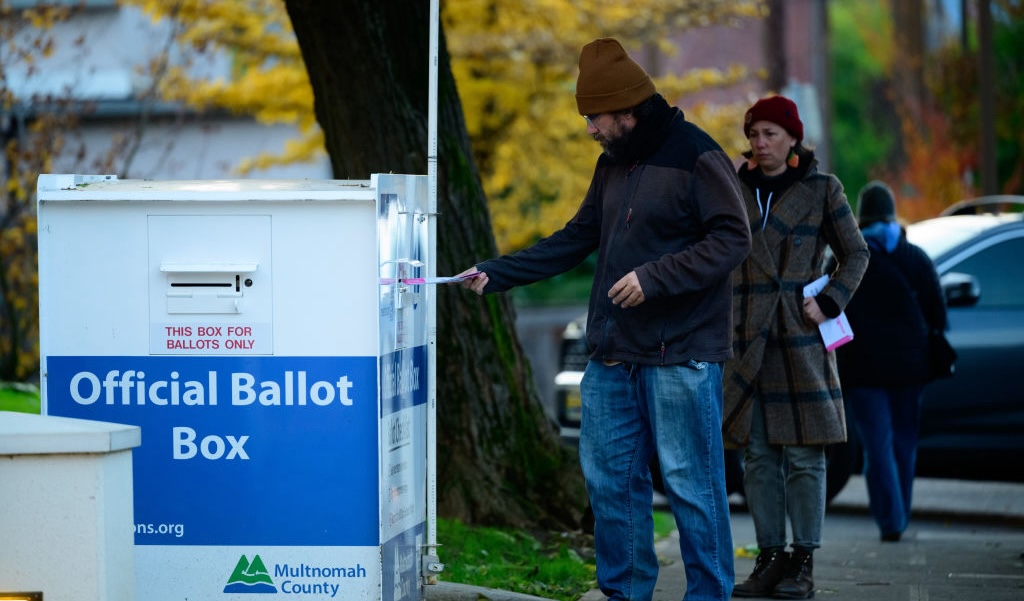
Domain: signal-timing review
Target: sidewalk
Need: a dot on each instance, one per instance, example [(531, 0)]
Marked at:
[(935, 497), (853, 565), (973, 565)]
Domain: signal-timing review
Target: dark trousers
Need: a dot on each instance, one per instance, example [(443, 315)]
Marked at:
[(887, 421)]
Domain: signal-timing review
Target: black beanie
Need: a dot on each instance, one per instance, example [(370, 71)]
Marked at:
[(875, 203)]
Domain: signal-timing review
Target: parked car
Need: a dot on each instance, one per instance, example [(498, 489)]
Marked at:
[(972, 425)]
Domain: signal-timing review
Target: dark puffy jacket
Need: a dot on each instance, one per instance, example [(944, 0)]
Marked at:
[(672, 212), (898, 302)]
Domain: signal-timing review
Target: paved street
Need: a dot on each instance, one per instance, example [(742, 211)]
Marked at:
[(965, 543)]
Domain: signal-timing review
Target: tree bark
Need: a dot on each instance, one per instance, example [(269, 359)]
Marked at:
[(774, 44), (908, 62), (500, 461)]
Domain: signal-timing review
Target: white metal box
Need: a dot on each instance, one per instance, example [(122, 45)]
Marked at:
[(261, 335)]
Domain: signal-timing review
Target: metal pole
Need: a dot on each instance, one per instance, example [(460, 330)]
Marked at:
[(431, 564)]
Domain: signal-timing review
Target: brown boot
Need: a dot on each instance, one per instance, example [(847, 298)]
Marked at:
[(768, 570), (798, 581)]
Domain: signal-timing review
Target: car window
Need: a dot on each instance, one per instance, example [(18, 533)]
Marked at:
[(936, 236), (1000, 273)]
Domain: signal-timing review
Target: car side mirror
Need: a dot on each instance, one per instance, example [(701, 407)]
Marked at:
[(960, 289)]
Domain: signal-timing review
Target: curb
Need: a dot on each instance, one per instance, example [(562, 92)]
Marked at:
[(999, 501), (453, 591)]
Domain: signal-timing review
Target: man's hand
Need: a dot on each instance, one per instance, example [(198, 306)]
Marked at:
[(476, 284), (627, 291)]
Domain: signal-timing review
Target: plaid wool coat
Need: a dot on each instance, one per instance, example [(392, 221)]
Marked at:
[(779, 358)]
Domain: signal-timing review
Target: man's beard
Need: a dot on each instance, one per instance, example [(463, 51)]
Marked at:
[(616, 147)]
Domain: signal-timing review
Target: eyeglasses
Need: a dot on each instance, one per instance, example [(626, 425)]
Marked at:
[(590, 119)]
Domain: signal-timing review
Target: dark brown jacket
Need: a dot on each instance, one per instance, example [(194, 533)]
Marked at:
[(671, 210)]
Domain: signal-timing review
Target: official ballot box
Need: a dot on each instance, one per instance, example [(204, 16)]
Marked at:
[(262, 336)]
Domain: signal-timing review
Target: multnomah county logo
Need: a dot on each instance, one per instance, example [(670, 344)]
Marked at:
[(250, 577)]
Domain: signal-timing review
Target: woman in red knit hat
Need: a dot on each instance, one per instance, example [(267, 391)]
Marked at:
[(782, 396)]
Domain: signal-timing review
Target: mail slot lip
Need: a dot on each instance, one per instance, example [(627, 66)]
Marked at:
[(170, 267)]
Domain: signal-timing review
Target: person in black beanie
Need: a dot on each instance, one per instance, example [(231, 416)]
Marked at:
[(783, 402), (665, 217), (885, 368)]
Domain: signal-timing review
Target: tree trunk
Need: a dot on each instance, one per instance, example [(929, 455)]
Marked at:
[(774, 45), (500, 461), (908, 62)]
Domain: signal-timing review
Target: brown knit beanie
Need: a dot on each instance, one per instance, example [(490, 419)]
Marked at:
[(780, 111), (609, 80)]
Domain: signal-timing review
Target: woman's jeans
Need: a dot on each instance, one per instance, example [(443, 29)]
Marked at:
[(780, 481), (887, 421), (629, 412)]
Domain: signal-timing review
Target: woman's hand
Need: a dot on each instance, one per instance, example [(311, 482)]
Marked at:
[(812, 311)]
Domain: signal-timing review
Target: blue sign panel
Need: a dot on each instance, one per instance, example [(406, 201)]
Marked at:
[(403, 377), (403, 439), (239, 451)]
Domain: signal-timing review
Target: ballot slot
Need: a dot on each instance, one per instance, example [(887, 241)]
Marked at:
[(211, 284), (207, 288)]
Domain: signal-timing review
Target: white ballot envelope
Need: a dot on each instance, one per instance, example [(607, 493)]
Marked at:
[(835, 331)]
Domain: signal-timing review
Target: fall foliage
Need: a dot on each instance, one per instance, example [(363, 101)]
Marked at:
[(268, 78), (514, 64), (922, 138), (24, 35)]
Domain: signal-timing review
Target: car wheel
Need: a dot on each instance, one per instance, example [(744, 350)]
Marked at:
[(842, 461), (656, 480), (734, 471)]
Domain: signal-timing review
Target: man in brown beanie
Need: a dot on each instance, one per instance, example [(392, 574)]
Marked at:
[(664, 214)]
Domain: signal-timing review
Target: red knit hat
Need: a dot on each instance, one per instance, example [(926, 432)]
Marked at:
[(609, 80), (779, 110)]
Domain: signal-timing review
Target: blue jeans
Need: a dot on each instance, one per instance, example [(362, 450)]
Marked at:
[(629, 412), (780, 481), (887, 421)]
